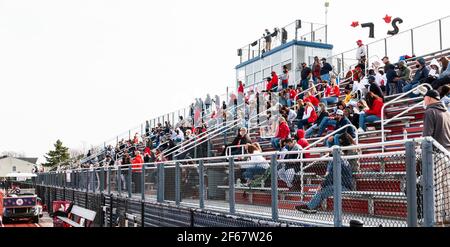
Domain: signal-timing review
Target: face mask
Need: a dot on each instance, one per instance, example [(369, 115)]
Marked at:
[(319, 108)]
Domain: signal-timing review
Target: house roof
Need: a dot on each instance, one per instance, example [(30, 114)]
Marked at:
[(30, 160)]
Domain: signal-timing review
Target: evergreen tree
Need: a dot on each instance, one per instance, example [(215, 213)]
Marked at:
[(57, 156)]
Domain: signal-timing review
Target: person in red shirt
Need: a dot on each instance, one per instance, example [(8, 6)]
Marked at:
[(302, 141), (311, 98), (241, 88), (283, 132), (274, 81), (269, 84), (332, 93), (136, 166), (373, 114)]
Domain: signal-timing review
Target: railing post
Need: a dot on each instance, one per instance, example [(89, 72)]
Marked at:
[(385, 47), (93, 180), (412, 41), (337, 184), (440, 35), (202, 185), (129, 181), (274, 186), (411, 189), (87, 180), (177, 184), (143, 183), (428, 189), (108, 183), (231, 191), (102, 180), (161, 183), (119, 180)]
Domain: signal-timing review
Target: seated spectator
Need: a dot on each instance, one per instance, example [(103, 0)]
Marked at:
[(373, 114), (348, 93), (311, 98), (360, 108), (291, 116), (258, 165), (374, 88), (404, 76), (309, 115), (419, 77), (341, 121), (332, 93), (240, 140), (444, 77), (323, 113), (282, 133), (445, 96), (301, 140), (288, 170), (326, 188)]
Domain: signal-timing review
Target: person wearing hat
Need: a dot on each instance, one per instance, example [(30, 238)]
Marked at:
[(361, 51), (404, 75), (420, 75), (341, 121), (437, 125)]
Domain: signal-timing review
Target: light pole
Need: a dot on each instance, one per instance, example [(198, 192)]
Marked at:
[(327, 4)]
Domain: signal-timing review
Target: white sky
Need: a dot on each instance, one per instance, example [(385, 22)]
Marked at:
[(84, 71)]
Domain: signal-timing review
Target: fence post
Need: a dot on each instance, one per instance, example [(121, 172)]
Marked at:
[(143, 183), (93, 176), (231, 195), (119, 180), (109, 181), (337, 184), (428, 190), (274, 182), (411, 189), (202, 185), (129, 181), (161, 183), (440, 35), (87, 180), (412, 41), (177, 184), (102, 179)]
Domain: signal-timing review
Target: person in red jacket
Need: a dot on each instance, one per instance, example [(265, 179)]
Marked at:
[(309, 115), (136, 166), (311, 98), (332, 93), (274, 81), (282, 133), (302, 142), (373, 114), (269, 84), (241, 88)]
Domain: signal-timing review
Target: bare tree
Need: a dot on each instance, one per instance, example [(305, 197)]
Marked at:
[(13, 154)]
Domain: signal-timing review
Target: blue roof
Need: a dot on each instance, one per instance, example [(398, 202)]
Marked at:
[(284, 46)]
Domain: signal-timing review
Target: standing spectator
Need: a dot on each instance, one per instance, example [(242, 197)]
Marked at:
[(325, 70), (240, 140), (373, 114), (332, 93), (420, 75), (137, 171), (374, 88), (437, 125), (437, 119), (305, 76), (147, 128), (282, 133), (316, 67), (391, 75), (386, 62), (274, 81), (285, 78), (208, 103), (361, 52), (268, 38)]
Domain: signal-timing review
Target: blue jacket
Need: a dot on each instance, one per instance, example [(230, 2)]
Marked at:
[(420, 75), (344, 121), (346, 175)]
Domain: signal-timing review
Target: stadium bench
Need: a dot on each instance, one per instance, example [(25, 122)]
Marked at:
[(84, 217)]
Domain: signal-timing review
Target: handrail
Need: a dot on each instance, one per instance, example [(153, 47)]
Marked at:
[(397, 117), (335, 132)]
